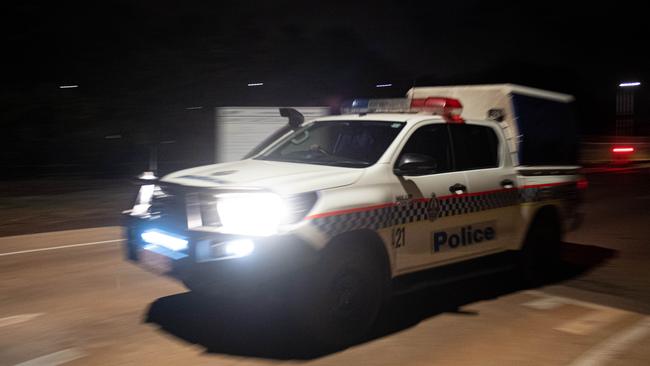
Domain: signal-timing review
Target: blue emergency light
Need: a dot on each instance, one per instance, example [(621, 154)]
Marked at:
[(449, 108)]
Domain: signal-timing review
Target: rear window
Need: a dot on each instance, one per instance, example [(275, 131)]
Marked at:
[(475, 147)]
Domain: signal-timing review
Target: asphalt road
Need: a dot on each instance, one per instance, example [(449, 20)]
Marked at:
[(68, 297)]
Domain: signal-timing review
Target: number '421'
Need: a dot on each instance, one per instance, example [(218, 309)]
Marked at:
[(399, 237)]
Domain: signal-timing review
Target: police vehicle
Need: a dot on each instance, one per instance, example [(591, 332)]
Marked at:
[(332, 213)]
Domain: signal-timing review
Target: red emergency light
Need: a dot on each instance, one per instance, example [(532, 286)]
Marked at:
[(623, 149), (449, 108)]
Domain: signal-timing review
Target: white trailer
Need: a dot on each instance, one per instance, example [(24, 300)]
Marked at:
[(239, 129)]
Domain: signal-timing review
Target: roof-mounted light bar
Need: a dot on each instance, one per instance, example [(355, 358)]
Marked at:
[(449, 108), (387, 105)]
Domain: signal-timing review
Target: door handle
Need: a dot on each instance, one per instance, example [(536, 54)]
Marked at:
[(403, 199), (458, 188), (507, 184)]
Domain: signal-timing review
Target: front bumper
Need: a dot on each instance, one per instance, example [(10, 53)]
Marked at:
[(272, 259)]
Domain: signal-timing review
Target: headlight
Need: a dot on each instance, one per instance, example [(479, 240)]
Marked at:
[(251, 213)]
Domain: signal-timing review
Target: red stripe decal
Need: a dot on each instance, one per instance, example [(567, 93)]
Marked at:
[(389, 204), (548, 184), (351, 210)]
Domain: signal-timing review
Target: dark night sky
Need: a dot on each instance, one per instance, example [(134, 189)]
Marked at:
[(140, 64)]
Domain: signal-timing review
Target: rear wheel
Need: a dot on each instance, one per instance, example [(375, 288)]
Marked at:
[(540, 255), (340, 298)]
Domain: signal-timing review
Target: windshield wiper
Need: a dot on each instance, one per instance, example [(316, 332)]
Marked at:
[(342, 162), (354, 163)]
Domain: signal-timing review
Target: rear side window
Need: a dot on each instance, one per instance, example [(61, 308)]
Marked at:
[(475, 147)]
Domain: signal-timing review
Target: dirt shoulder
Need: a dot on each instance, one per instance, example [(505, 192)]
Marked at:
[(53, 204)]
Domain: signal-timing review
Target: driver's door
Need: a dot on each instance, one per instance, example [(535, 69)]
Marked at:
[(418, 215)]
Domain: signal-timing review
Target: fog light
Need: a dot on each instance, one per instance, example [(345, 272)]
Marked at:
[(238, 248), (208, 250)]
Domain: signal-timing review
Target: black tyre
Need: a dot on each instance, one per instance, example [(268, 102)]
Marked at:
[(339, 299), (540, 255)]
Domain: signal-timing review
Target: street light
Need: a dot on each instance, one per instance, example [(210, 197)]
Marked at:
[(629, 84), (625, 108)]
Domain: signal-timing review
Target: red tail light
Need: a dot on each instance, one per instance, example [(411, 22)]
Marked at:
[(623, 149), (582, 184)]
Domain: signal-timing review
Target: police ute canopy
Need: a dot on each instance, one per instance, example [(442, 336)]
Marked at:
[(336, 214)]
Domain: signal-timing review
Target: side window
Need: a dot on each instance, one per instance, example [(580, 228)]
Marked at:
[(475, 147), (431, 140)]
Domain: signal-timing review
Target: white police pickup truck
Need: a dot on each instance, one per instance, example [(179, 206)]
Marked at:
[(333, 211)]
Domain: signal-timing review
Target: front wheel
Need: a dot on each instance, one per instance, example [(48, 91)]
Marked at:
[(339, 299)]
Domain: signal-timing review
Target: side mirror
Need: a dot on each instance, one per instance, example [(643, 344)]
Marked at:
[(415, 164)]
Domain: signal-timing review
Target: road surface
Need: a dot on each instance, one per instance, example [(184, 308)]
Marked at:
[(67, 297)]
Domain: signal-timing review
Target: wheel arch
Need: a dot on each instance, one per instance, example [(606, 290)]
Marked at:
[(550, 213), (370, 240)]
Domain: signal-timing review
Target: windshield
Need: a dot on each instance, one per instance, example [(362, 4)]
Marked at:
[(355, 144)]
